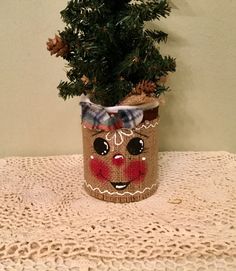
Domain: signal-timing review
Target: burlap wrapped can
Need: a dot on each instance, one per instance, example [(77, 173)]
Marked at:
[(120, 165)]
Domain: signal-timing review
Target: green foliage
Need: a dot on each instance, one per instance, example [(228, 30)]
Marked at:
[(109, 45), (157, 36)]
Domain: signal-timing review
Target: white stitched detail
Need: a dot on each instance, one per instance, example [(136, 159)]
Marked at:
[(117, 193), (118, 135), (148, 125)]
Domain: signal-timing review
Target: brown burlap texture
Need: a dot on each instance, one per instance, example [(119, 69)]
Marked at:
[(134, 176)]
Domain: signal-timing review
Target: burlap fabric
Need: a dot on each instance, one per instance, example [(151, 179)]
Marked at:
[(48, 222), (134, 177)]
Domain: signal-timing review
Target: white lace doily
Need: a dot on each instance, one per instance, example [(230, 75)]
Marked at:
[(48, 222)]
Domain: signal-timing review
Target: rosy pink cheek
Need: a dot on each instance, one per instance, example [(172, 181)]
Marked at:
[(136, 171), (100, 169)]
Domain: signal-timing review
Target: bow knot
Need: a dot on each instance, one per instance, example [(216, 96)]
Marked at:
[(96, 117)]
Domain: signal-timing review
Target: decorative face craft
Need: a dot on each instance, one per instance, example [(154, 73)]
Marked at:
[(121, 165)]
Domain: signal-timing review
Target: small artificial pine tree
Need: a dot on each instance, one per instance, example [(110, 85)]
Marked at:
[(109, 52)]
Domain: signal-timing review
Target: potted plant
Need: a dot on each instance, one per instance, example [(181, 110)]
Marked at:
[(116, 67)]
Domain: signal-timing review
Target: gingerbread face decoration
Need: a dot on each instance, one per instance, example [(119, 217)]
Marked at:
[(121, 165)]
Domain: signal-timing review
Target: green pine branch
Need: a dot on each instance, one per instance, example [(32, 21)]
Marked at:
[(137, 14), (145, 62), (157, 36), (108, 44), (71, 89), (161, 89), (111, 93), (152, 10)]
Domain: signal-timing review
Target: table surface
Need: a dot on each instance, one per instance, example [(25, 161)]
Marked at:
[(48, 222)]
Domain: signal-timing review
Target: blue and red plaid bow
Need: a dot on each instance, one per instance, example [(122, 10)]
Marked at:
[(97, 118)]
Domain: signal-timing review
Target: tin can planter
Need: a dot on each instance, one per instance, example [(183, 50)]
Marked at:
[(120, 151)]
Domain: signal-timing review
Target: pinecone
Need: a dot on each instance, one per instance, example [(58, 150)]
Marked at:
[(84, 79), (57, 46), (145, 86)]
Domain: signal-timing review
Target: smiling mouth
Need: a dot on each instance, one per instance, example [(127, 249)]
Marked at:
[(120, 185)]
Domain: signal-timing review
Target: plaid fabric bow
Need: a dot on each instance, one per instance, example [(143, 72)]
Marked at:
[(97, 118)]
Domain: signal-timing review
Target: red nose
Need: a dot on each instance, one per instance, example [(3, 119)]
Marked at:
[(118, 160)]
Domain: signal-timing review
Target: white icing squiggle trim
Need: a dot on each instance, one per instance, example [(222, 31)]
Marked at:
[(118, 133), (117, 193), (147, 126)]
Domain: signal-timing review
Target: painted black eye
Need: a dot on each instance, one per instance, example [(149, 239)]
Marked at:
[(101, 146), (135, 146)]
